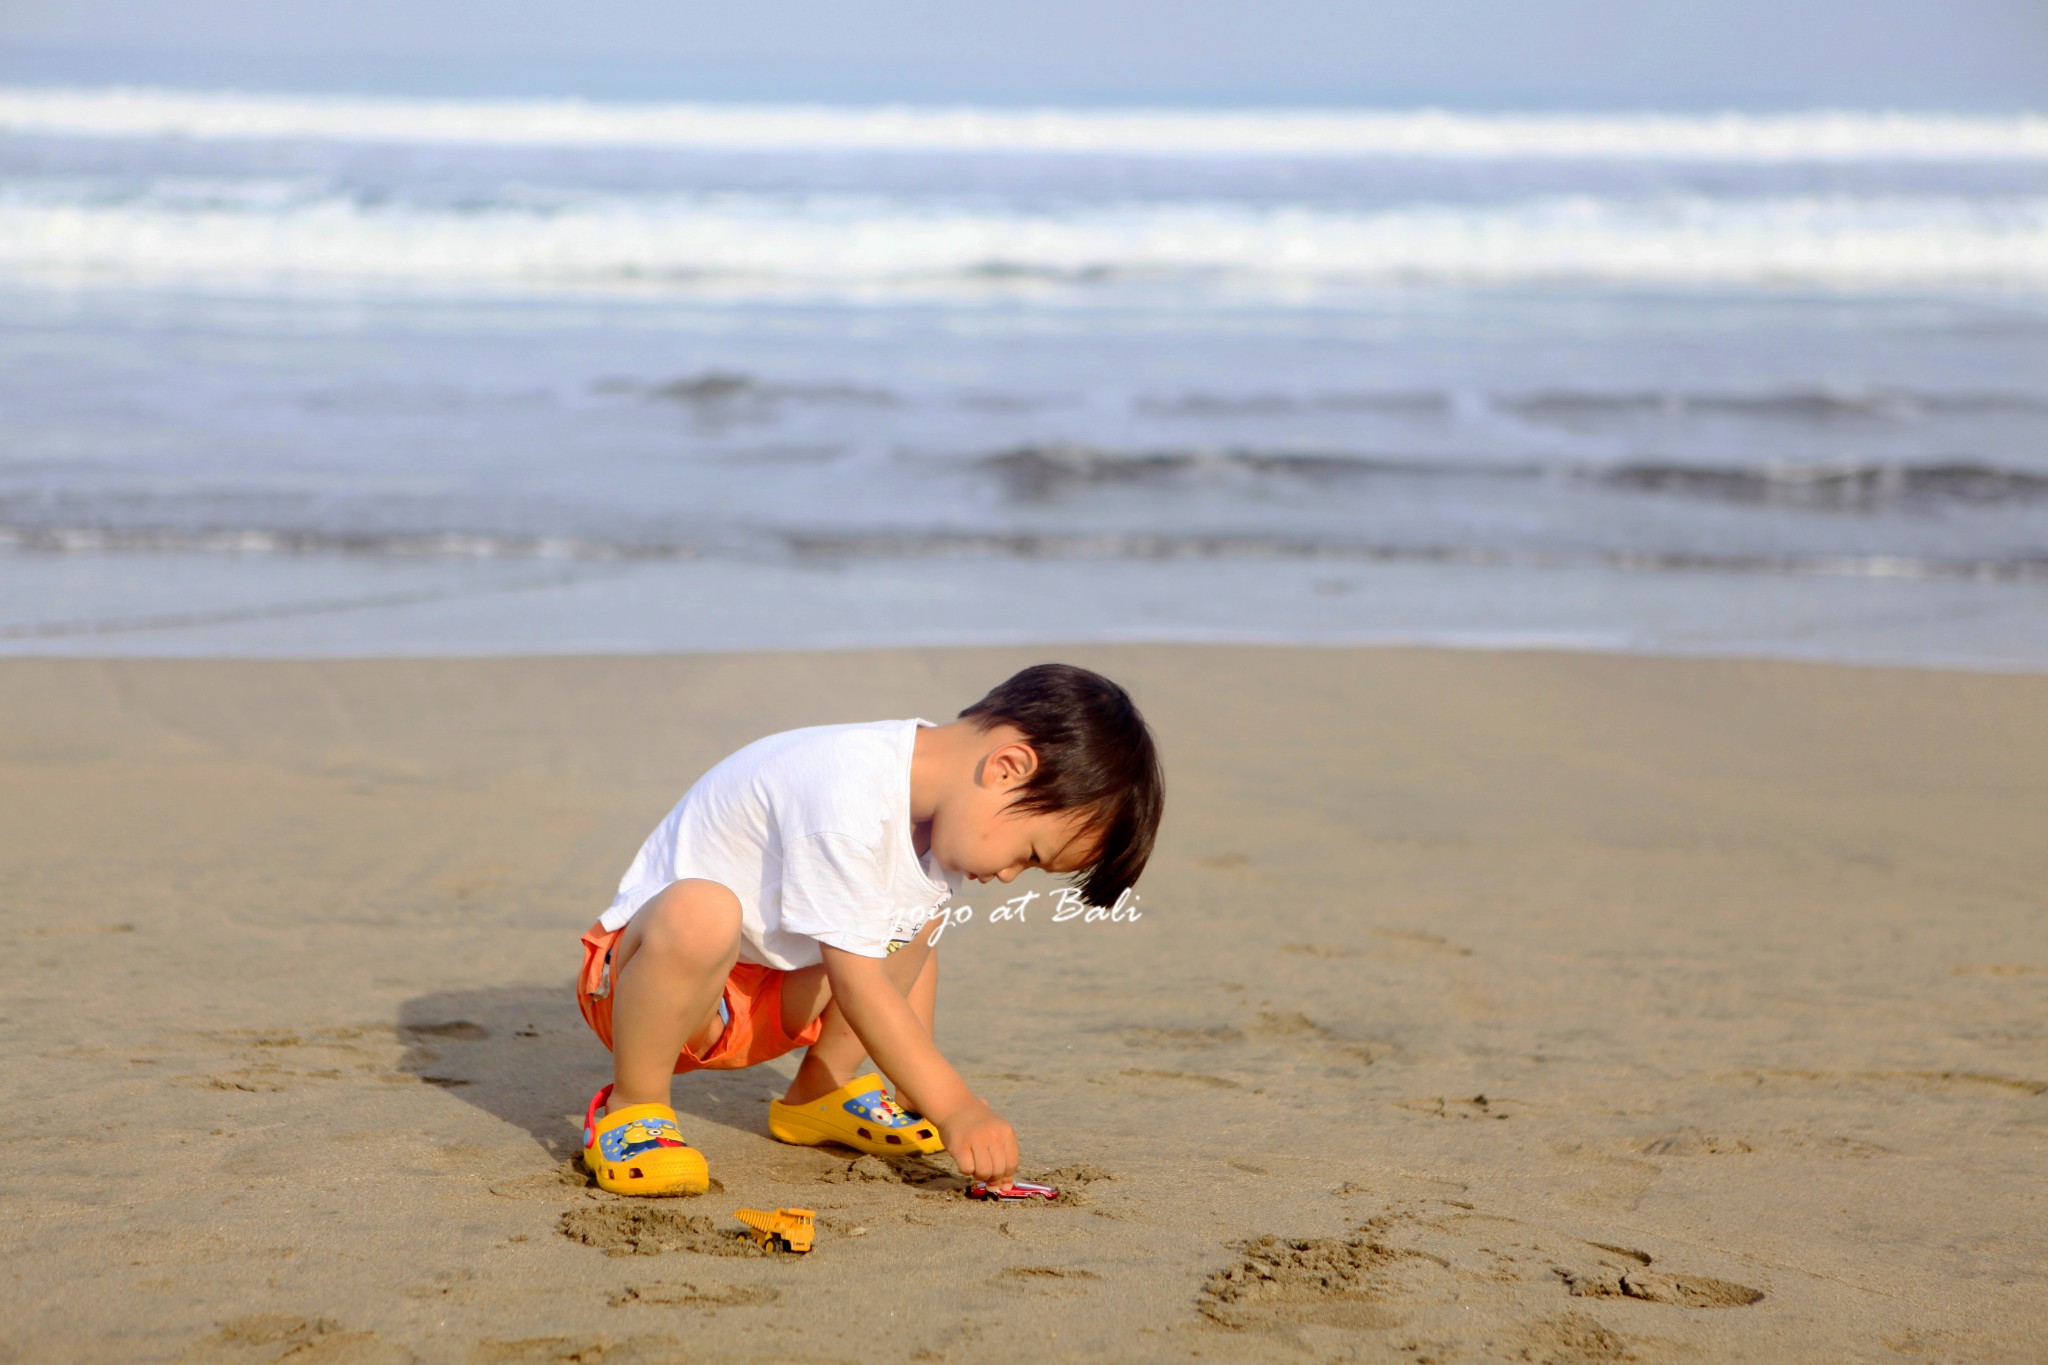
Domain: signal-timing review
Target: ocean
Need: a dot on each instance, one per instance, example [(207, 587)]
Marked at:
[(299, 375)]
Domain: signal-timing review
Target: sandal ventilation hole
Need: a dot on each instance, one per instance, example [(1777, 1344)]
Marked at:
[(924, 1132), (865, 1133), (634, 1171), (894, 1141)]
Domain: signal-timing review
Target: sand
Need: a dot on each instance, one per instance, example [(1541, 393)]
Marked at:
[(1518, 1006)]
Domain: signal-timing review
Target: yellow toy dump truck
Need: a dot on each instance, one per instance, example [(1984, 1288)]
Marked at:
[(782, 1230)]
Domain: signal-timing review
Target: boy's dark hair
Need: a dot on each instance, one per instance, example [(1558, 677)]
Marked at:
[(1094, 754)]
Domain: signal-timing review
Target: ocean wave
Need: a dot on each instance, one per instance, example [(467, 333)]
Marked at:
[(724, 391), (1791, 404), (1047, 472), (726, 244), (1847, 485), (1409, 402), (1838, 135), (1128, 545), (1797, 404), (134, 539), (833, 546)]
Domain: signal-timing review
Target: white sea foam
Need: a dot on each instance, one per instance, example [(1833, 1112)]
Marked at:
[(1815, 136), (781, 244)]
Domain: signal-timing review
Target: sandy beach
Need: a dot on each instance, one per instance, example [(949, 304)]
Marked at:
[(1517, 1006)]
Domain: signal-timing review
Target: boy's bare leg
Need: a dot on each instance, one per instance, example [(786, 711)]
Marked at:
[(668, 970), (924, 992), (835, 1058)]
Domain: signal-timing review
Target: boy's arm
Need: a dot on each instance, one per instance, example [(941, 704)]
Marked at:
[(982, 1144)]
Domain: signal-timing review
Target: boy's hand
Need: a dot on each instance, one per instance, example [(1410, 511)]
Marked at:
[(982, 1143)]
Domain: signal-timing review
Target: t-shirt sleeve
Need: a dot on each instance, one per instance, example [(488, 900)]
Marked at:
[(832, 892)]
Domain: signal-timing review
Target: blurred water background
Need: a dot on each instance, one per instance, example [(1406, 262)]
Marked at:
[(317, 374)]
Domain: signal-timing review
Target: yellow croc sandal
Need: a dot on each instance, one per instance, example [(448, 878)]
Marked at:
[(859, 1115), (640, 1150)]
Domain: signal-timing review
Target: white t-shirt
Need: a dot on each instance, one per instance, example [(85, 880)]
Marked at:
[(811, 830)]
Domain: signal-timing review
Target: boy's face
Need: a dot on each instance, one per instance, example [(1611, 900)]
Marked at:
[(974, 833)]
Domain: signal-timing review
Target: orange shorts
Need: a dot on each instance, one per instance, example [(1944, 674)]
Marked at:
[(753, 996)]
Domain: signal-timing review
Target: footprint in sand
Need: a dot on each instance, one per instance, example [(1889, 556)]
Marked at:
[(1046, 1279), (557, 1182), (1413, 943), (587, 1350), (688, 1295), (1570, 1339), (1692, 1142), (1625, 1273), (420, 1055), (457, 1030), (1295, 1027), (1462, 1281), (1289, 1024), (267, 1061), (1799, 1078), (1196, 1078), (1656, 1286), (1396, 945), (1834, 1146), (269, 1337), (1280, 1283), (1476, 1107), (1224, 862), (1216, 1035), (450, 1286), (1587, 1269)]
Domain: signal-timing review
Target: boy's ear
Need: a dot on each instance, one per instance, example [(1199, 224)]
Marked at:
[(1013, 762)]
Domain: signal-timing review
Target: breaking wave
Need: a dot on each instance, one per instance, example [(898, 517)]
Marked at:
[(1815, 136), (753, 244), (1041, 473), (1792, 404), (1122, 545)]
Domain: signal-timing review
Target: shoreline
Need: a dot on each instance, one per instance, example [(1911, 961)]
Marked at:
[(199, 606), (1504, 643), (1549, 1004)]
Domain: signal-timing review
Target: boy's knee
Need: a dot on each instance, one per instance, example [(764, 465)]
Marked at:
[(692, 919)]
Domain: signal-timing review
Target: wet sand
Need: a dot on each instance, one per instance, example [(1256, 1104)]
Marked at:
[(1538, 1007)]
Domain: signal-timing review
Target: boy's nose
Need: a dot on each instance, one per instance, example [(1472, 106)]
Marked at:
[(1007, 875)]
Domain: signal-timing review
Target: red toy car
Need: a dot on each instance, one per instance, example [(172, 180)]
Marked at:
[(1019, 1189)]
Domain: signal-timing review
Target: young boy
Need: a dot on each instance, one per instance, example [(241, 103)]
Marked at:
[(780, 906)]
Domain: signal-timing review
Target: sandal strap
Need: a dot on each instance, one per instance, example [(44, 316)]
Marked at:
[(590, 1115)]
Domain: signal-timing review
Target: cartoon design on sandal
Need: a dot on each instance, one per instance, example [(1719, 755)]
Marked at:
[(638, 1136), (877, 1107)]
